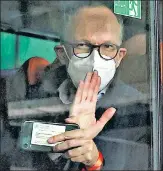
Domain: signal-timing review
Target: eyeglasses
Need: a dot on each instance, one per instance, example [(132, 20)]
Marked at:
[(107, 51)]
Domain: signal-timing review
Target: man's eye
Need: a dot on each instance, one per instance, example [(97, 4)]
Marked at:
[(108, 46), (82, 45)]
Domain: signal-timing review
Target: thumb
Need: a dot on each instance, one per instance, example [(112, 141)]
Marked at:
[(106, 116)]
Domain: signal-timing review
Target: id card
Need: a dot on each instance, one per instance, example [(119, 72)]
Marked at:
[(42, 132)]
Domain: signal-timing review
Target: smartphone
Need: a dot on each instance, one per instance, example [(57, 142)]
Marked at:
[(34, 135)]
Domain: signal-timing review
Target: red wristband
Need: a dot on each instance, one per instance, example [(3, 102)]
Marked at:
[(98, 164)]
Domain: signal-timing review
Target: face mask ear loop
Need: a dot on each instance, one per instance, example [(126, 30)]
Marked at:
[(66, 53)]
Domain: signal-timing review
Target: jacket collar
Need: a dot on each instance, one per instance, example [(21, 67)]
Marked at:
[(67, 91)]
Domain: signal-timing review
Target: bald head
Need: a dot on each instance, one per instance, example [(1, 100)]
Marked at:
[(94, 22)]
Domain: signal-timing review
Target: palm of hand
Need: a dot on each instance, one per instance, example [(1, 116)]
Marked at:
[(84, 106), (84, 113)]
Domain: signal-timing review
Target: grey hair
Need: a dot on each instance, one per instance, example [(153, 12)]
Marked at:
[(69, 23)]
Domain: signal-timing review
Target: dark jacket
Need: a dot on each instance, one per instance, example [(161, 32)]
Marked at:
[(124, 141)]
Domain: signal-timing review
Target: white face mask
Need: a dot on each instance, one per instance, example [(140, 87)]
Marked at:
[(78, 68)]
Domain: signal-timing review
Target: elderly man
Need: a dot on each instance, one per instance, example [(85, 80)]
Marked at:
[(93, 40), (94, 47), (88, 60)]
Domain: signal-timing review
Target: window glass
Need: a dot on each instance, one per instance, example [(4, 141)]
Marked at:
[(43, 88)]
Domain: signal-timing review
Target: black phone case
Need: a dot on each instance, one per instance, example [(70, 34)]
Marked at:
[(26, 135)]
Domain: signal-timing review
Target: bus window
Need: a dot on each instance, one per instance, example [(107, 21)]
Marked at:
[(58, 43)]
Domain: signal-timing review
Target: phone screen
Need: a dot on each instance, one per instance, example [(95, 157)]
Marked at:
[(42, 132)]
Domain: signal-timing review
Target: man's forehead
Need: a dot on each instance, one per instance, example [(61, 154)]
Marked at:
[(92, 21), (98, 37), (92, 11)]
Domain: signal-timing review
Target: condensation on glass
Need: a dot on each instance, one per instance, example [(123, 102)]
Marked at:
[(126, 138)]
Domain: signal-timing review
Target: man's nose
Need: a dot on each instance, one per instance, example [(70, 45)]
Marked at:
[(95, 53), (94, 57)]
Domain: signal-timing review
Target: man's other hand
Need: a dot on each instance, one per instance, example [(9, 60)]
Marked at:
[(84, 149)]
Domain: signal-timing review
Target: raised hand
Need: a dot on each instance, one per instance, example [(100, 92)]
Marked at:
[(83, 113), (84, 105)]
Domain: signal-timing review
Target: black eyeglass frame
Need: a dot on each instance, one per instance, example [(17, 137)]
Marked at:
[(92, 47)]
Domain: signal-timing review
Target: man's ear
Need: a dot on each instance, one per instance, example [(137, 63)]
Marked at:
[(61, 55), (121, 54)]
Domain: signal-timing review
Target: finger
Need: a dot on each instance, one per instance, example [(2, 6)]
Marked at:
[(71, 120), (79, 92), (92, 86), (96, 90), (78, 133), (69, 144), (86, 85), (96, 128), (79, 151)]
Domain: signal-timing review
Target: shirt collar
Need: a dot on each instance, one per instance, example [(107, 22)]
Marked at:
[(101, 93)]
